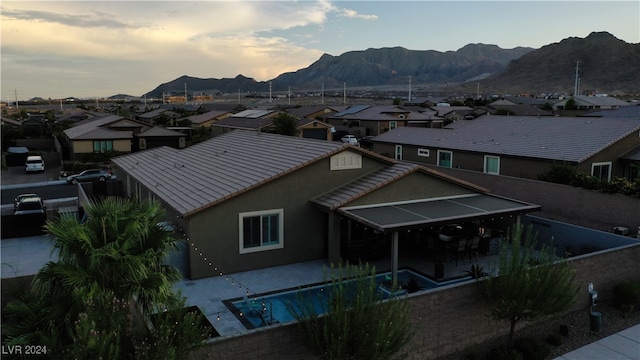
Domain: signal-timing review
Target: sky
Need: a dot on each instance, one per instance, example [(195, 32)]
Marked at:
[(95, 49)]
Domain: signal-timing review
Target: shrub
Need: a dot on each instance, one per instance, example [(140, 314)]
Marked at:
[(564, 330), (626, 296), (472, 352), (554, 339), (503, 352), (532, 349)]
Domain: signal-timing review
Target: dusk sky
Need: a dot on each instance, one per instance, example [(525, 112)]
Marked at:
[(88, 49)]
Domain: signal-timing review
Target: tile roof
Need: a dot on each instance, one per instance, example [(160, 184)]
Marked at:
[(360, 187), (90, 125), (201, 118), (633, 155), (243, 123), (158, 131), (554, 138), (200, 176)]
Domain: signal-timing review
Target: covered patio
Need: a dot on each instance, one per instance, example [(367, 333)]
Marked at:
[(429, 235)]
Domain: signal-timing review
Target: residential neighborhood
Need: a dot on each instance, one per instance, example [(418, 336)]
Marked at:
[(422, 189)]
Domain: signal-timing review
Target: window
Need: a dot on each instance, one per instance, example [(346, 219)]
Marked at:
[(398, 152), (261, 230), (102, 146), (393, 124), (423, 152), (491, 164), (445, 158), (346, 160), (601, 170)]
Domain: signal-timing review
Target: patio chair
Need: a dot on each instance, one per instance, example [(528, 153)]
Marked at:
[(473, 247), (458, 249)]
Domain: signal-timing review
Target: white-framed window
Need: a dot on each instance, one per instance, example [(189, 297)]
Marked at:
[(261, 230), (398, 152), (423, 152), (601, 170), (393, 124), (346, 160), (492, 164), (445, 158)]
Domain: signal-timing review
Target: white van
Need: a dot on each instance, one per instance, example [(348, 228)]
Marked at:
[(34, 164)]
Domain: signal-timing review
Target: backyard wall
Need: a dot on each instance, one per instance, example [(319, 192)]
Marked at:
[(588, 208), (446, 320)]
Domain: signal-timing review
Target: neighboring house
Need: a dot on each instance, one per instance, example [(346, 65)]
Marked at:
[(10, 122), (315, 129), (34, 125), (105, 134), (253, 119), (158, 136), (625, 112), (455, 113), (519, 146), (583, 102), (156, 115), (317, 112), (247, 200), (367, 120), (507, 107), (207, 119), (119, 134)]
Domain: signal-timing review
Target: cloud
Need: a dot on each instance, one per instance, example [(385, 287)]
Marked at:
[(354, 15)]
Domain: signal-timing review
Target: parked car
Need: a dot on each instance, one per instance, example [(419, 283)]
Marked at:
[(366, 142), (30, 205), (89, 176), (18, 199), (349, 139), (34, 164)]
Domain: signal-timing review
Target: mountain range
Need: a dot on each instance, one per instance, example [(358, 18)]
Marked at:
[(604, 64)]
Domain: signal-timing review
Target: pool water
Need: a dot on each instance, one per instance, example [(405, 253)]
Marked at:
[(264, 310)]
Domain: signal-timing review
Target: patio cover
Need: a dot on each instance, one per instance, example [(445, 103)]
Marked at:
[(392, 217)]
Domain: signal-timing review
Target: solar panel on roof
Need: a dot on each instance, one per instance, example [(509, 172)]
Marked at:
[(352, 110)]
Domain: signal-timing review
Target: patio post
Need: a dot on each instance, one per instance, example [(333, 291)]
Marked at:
[(394, 259)]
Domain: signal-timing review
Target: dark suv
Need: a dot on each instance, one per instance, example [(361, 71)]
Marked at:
[(30, 205)]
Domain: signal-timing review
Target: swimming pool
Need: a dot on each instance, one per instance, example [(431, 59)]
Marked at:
[(267, 309)]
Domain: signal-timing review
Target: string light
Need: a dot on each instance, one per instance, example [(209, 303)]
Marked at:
[(210, 263)]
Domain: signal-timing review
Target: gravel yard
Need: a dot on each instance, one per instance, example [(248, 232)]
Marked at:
[(578, 324)]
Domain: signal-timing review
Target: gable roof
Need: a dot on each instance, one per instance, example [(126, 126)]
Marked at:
[(243, 123), (158, 131), (368, 183), (211, 115), (565, 139), (81, 131), (200, 176)]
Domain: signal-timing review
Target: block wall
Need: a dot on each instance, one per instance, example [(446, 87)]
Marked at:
[(445, 321)]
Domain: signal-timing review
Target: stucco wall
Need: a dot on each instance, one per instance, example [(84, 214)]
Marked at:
[(445, 320), (216, 230)]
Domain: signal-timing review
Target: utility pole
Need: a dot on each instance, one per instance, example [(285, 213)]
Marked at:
[(575, 89), (289, 95), (322, 94), (15, 91), (185, 93), (344, 93), (409, 87)]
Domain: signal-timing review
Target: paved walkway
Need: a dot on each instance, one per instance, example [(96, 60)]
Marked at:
[(624, 345)]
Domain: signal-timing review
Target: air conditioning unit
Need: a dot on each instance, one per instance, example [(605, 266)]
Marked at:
[(619, 230)]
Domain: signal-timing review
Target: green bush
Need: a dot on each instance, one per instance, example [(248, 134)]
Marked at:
[(531, 348), (626, 296)]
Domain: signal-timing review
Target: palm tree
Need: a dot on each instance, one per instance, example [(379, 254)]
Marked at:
[(120, 247), (119, 250)]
